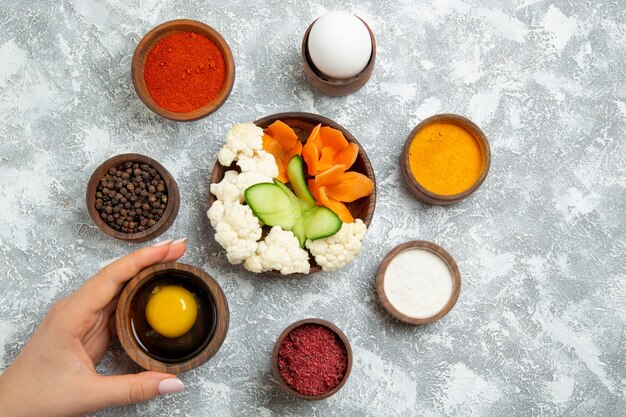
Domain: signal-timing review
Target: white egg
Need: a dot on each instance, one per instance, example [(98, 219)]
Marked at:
[(339, 45)]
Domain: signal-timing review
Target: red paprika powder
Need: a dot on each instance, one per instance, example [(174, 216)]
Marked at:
[(184, 71), (312, 359)]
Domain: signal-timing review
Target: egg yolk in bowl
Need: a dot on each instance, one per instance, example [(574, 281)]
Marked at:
[(171, 311)]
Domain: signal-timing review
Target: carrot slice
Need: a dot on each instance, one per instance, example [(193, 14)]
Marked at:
[(341, 210), (285, 135), (275, 149), (337, 207), (315, 139), (310, 156), (323, 196), (333, 138), (351, 186), (315, 191), (330, 176), (296, 150), (347, 156), (270, 145), (282, 172), (282, 142), (327, 159), (267, 140)]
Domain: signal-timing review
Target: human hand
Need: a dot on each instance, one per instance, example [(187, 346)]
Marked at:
[(55, 375)]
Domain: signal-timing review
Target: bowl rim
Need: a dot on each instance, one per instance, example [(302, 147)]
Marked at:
[(423, 193), (274, 361), (171, 209), (331, 85), (314, 118), (125, 334), (154, 35), (444, 255)]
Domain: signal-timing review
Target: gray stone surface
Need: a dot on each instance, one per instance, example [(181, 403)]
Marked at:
[(539, 327)]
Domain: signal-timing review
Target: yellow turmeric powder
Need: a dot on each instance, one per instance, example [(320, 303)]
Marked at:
[(445, 158)]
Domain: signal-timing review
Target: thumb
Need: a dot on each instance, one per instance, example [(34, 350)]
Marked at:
[(135, 388)]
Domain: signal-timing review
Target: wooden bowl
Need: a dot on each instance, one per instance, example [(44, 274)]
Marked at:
[(336, 86), (169, 28), (169, 215), (426, 195), (437, 250), (303, 124), (284, 334), (133, 289)]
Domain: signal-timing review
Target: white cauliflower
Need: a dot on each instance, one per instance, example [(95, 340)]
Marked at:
[(227, 190), (279, 250), (262, 163), (216, 212), (243, 138), (248, 179), (237, 229), (336, 251), (258, 169)]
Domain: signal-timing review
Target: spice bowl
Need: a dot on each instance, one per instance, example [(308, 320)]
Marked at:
[(138, 335), (443, 300), (165, 219), (170, 28), (426, 195), (325, 340), (336, 86)]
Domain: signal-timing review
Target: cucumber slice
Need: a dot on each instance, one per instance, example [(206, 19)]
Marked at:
[(298, 230), (272, 205), (276, 205), (295, 172), (297, 204), (321, 222), (287, 191)]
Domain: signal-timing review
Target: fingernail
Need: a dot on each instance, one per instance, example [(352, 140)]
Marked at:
[(163, 243), (171, 386), (179, 241)]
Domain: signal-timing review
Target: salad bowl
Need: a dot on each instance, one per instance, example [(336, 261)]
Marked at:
[(303, 124)]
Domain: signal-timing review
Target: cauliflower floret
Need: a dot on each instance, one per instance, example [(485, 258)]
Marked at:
[(262, 163), (336, 251), (279, 250), (248, 179), (237, 229), (216, 212), (232, 186), (261, 167), (243, 138), (227, 189)]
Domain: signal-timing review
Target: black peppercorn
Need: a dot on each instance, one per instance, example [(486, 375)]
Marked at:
[(131, 197)]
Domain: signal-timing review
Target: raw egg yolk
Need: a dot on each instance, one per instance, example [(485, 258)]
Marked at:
[(171, 311)]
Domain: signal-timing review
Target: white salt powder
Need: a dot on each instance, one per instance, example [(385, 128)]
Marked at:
[(418, 283)]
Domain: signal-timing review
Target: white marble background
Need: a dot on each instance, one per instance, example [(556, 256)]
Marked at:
[(540, 325)]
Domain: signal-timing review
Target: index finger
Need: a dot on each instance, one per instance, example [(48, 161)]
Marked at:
[(98, 291)]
